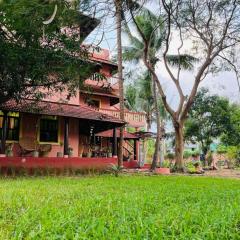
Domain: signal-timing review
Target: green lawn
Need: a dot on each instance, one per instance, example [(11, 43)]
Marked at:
[(133, 207)]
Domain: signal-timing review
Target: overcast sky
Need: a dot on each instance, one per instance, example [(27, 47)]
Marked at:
[(224, 83)]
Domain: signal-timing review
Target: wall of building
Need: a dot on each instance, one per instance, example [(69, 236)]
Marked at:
[(29, 129), (104, 101)]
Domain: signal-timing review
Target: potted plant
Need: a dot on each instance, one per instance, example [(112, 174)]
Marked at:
[(9, 150), (36, 151), (60, 154), (109, 153), (81, 149), (89, 153)]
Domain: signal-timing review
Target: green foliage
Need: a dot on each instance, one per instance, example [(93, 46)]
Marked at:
[(35, 55), (231, 136), (208, 118), (190, 167), (166, 164), (130, 96), (115, 169), (150, 144), (233, 156), (146, 207), (190, 153), (209, 158), (221, 149), (170, 156)]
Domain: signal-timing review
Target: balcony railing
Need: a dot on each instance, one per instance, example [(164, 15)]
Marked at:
[(113, 80), (134, 119), (98, 77)]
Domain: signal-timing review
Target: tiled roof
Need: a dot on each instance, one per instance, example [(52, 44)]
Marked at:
[(109, 133), (59, 109), (101, 60)]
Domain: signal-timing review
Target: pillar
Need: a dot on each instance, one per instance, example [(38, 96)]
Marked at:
[(136, 149), (4, 132), (114, 145), (66, 135)]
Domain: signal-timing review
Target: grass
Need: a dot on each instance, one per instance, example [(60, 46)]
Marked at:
[(135, 207)]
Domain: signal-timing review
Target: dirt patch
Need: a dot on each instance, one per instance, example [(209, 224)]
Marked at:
[(228, 173)]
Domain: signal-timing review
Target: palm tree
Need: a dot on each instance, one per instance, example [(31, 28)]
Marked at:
[(139, 97), (154, 31), (134, 53), (118, 6)]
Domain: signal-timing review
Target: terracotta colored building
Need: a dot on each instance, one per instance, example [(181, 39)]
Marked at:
[(87, 125)]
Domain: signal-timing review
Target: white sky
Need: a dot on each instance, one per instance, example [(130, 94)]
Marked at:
[(224, 83)]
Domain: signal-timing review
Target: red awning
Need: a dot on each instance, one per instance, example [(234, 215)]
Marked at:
[(59, 109), (109, 134)]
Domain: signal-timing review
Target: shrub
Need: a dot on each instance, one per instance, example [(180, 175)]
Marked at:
[(233, 154), (170, 155)]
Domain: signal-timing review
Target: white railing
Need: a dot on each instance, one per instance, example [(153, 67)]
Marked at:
[(132, 118), (112, 80)]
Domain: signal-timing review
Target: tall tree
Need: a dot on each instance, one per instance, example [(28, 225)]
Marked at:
[(43, 54), (119, 9), (208, 119), (154, 30), (139, 97), (213, 26), (231, 135)]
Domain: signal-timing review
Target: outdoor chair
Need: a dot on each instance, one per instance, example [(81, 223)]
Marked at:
[(27, 145)]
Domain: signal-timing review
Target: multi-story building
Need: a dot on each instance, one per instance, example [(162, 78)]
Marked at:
[(85, 125)]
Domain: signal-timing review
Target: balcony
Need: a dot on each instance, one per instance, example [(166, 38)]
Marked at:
[(134, 119), (113, 80), (107, 82)]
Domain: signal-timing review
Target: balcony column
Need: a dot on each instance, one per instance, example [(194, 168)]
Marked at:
[(66, 135), (114, 145), (4, 133), (136, 149)]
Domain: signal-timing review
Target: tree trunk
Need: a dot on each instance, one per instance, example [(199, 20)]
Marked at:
[(118, 5), (179, 147), (158, 137), (161, 145), (148, 123)]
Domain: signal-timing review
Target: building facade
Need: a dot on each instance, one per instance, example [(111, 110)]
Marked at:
[(85, 125)]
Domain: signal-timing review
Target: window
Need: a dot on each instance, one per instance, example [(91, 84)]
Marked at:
[(49, 129), (93, 103), (13, 126)]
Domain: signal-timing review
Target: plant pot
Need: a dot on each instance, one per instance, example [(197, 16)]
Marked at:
[(109, 155), (65, 156), (70, 154), (162, 170), (35, 154), (89, 155), (59, 154), (2, 155), (9, 154)]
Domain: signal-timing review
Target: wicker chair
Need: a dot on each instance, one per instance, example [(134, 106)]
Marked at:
[(27, 145)]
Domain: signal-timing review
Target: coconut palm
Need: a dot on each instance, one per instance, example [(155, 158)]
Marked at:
[(153, 28), (118, 13)]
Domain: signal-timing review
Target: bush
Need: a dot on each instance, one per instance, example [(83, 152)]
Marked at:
[(190, 153), (233, 154), (170, 155)]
